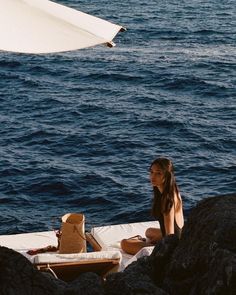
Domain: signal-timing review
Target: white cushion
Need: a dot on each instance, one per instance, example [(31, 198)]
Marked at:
[(62, 258), (146, 251), (26, 241), (110, 236)]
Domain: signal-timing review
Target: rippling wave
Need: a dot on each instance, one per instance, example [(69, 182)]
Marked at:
[(80, 129)]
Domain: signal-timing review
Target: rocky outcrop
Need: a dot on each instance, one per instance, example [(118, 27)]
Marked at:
[(135, 279), (86, 284), (18, 276), (203, 262)]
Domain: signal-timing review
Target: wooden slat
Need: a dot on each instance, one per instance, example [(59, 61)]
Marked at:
[(71, 270), (94, 244)]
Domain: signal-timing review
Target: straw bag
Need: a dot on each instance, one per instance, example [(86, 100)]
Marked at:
[(72, 238), (133, 244)]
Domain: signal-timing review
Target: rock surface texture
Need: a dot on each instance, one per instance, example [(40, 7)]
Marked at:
[(203, 262)]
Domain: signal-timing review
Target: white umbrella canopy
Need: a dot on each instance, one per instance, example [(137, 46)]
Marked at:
[(42, 26)]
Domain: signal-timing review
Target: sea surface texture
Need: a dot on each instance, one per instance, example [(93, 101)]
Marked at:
[(80, 129)]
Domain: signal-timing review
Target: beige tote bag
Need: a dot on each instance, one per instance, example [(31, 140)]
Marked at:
[(72, 237)]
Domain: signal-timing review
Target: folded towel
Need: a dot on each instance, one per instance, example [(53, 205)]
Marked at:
[(75, 257), (42, 250)]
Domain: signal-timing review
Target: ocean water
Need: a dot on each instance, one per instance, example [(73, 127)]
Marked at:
[(80, 129)]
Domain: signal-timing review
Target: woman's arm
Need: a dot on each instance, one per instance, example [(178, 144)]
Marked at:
[(169, 220)]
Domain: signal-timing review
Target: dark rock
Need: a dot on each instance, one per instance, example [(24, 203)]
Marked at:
[(134, 280), (19, 277), (204, 262), (86, 284), (161, 256)]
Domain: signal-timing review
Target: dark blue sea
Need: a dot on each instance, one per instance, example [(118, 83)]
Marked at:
[(80, 129)]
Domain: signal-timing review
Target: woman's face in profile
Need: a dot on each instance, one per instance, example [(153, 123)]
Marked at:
[(156, 176)]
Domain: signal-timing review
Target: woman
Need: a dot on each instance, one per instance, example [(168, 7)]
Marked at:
[(167, 205)]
